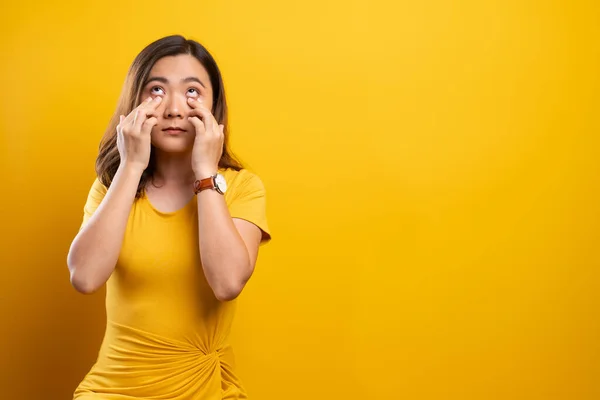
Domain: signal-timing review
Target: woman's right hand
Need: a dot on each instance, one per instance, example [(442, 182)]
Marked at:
[(133, 134)]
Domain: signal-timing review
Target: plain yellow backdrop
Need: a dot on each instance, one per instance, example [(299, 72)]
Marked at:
[(432, 174)]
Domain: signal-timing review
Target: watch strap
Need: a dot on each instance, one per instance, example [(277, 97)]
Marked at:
[(203, 184)]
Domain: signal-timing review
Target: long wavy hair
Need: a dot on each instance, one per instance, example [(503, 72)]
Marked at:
[(108, 159)]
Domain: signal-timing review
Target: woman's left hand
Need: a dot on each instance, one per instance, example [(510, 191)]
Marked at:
[(208, 144)]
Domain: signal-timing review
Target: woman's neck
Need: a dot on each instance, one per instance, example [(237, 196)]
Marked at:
[(173, 169)]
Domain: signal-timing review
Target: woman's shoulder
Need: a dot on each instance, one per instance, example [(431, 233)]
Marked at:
[(242, 181), (240, 177), (98, 185), (97, 189)]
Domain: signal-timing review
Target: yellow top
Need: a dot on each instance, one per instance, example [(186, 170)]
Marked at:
[(166, 334)]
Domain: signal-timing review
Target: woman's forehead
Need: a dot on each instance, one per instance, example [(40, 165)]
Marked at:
[(177, 68)]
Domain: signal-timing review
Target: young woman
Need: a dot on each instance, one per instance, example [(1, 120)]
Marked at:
[(172, 225)]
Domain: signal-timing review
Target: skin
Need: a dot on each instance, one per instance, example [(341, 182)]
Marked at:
[(177, 94)]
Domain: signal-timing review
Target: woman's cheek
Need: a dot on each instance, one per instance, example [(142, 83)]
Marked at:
[(207, 103)]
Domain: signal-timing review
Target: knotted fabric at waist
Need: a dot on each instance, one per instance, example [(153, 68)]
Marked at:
[(138, 364)]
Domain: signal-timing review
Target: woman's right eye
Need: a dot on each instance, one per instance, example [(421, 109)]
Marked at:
[(157, 90)]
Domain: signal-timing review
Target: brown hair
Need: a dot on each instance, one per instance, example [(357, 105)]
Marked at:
[(108, 159)]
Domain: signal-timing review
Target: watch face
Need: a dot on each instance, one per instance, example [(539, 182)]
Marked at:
[(221, 183)]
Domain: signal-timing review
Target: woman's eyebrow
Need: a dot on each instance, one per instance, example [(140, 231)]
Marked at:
[(166, 81), (193, 79)]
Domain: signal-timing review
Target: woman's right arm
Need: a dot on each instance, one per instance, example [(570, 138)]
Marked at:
[(95, 250)]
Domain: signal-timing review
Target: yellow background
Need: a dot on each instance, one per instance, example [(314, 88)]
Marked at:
[(432, 173)]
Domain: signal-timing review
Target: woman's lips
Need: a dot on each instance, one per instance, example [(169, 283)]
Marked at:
[(174, 130)]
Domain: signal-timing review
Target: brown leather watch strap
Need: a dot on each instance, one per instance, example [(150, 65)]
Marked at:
[(202, 184)]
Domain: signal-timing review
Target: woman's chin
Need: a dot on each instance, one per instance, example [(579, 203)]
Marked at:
[(173, 146)]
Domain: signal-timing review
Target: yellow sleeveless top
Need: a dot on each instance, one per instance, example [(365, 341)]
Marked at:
[(166, 334)]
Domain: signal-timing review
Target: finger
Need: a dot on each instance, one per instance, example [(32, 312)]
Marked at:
[(145, 102), (141, 105), (204, 114), (197, 104), (198, 124), (131, 116), (146, 110), (148, 125), (152, 105), (139, 119), (135, 113), (194, 103)]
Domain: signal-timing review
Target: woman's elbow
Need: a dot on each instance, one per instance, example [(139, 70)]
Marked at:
[(230, 290), (229, 293), (80, 281), (82, 284)]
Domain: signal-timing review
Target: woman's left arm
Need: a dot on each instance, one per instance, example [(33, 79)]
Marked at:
[(228, 246)]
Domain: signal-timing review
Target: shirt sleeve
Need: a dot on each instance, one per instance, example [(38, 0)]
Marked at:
[(248, 201), (95, 196)]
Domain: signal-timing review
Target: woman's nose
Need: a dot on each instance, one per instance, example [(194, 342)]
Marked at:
[(174, 107)]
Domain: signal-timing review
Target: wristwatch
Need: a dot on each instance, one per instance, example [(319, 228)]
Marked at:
[(216, 182)]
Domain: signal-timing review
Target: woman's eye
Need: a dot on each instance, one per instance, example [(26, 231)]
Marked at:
[(157, 90), (193, 92)]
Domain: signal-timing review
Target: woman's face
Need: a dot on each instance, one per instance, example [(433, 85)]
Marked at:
[(175, 79)]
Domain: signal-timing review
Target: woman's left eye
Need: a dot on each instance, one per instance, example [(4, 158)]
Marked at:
[(193, 91)]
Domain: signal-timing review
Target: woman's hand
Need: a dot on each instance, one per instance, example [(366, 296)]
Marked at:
[(208, 144), (133, 134)]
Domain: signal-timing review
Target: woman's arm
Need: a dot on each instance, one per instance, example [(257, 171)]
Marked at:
[(228, 247), (95, 250)]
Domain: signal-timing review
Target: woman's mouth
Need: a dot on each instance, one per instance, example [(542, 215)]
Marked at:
[(174, 130)]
